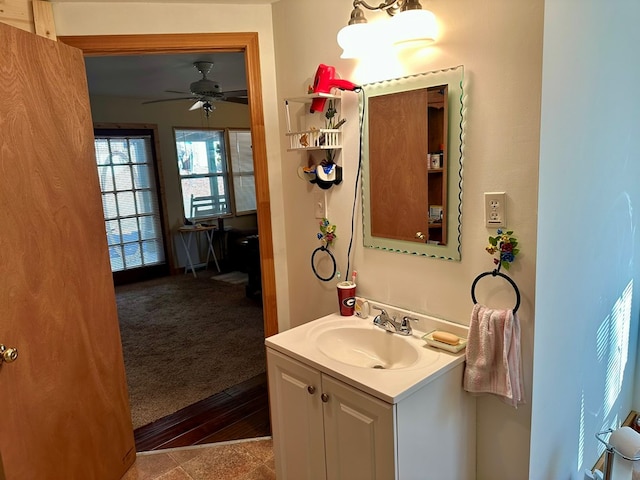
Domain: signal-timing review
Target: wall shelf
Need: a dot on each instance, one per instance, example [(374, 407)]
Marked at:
[(312, 138), (322, 139)]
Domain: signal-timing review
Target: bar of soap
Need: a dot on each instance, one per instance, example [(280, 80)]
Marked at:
[(446, 337)]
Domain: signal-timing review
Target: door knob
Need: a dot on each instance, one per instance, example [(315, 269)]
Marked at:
[(324, 397), (311, 389), (8, 355)]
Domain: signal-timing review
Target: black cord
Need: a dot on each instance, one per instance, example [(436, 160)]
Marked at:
[(333, 259), (355, 193)]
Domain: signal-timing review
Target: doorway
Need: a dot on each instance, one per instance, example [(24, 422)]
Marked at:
[(247, 42), (208, 43)]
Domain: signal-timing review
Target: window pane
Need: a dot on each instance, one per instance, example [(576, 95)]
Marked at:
[(242, 167), (142, 176), (126, 205), (122, 174), (102, 152), (113, 232), (152, 252), (202, 162), (145, 201), (200, 152), (106, 179), (245, 193), (204, 197), (139, 150), (109, 205), (149, 227), (132, 255), (129, 227), (117, 258)]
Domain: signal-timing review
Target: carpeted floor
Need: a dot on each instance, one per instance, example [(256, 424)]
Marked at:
[(185, 339)]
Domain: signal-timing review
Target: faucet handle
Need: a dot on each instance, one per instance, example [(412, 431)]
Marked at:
[(406, 320), (405, 325), (382, 317)]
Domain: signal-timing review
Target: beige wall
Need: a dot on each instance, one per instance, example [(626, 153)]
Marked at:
[(500, 46)]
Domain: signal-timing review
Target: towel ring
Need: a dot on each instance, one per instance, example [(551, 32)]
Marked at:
[(333, 261), (496, 273)]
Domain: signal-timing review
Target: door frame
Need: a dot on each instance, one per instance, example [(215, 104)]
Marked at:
[(247, 42)]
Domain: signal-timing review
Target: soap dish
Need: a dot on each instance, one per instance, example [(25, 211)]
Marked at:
[(444, 346)]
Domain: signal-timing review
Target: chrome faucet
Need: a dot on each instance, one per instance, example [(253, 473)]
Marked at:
[(384, 321)]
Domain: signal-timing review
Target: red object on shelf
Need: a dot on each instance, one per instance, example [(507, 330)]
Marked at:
[(323, 82)]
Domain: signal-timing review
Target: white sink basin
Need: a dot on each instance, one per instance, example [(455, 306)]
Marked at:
[(367, 348), (386, 365)]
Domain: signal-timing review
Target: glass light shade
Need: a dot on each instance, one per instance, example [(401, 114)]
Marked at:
[(354, 40), (413, 26)]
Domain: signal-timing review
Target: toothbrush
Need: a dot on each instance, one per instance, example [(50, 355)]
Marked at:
[(353, 277)]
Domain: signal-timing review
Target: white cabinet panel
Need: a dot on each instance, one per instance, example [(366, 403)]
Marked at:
[(359, 434), (296, 418)]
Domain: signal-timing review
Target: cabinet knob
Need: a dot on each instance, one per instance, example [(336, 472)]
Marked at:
[(324, 397), (311, 389)]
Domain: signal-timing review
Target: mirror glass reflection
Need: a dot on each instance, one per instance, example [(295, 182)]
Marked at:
[(412, 164)]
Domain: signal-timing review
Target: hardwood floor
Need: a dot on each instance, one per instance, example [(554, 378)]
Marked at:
[(239, 412)]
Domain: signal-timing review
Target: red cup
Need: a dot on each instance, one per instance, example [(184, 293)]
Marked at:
[(347, 298)]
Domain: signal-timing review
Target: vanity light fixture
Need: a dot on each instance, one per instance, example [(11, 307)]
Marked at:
[(409, 23)]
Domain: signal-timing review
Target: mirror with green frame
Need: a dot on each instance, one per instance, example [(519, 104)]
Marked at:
[(412, 144)]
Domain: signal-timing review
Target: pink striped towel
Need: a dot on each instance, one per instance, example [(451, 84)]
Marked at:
[(493, 355)]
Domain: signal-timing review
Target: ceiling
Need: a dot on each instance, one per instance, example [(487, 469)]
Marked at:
[(149, 76)]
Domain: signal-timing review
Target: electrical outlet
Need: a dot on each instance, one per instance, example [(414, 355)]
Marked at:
[(495, 209), (320, 204)]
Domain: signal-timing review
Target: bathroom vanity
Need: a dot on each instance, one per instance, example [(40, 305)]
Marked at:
[(352, 401)]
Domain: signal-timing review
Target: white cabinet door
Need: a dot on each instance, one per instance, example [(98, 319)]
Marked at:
[(359, 434), (296, 419)]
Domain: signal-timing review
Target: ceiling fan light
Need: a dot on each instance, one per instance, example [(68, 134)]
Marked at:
[(413, 26)]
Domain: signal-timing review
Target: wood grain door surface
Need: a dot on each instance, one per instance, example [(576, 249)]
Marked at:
[(398, 156), (65, 411)]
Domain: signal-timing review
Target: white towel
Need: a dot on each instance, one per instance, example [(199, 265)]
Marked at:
[(493, 355)]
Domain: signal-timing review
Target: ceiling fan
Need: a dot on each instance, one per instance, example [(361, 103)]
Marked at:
[(206, 91)]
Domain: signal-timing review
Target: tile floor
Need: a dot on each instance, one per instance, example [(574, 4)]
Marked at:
[(239, 460)]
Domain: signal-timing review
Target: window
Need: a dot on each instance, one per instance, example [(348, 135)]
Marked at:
[(244, 184), (129, 200), (205, 168), (202, 161)]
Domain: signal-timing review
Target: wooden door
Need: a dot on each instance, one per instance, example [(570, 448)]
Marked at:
[(359, 434), (65, 411), (296, 418), (398, 156)]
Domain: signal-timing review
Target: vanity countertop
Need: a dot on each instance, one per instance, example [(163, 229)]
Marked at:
[(389, 385)]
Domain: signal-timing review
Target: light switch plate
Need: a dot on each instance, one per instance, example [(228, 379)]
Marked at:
[(495, 209), (320, 204)]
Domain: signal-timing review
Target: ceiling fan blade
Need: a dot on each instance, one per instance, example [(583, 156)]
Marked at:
[(196, 105), (167, 100), (242, 100), (235, 93), (178, 91)]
